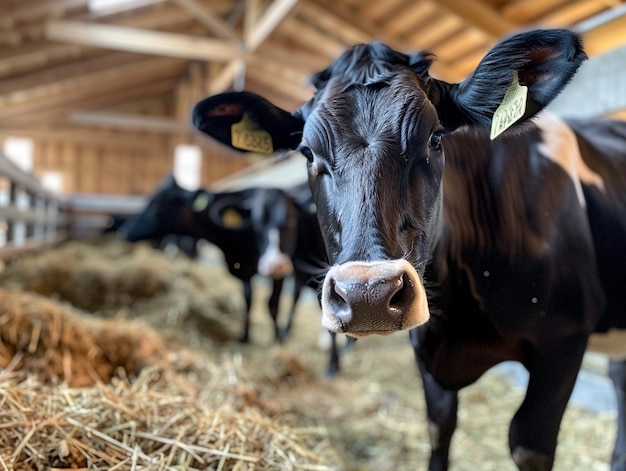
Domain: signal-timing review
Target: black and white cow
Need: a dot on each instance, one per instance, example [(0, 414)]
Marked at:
[(223, 219), (505, 249)]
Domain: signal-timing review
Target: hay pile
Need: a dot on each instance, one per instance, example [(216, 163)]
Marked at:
[(76, 392), (57, 343), (111, 278)]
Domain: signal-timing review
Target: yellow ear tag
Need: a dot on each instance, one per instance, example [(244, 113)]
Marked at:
[(247, 135), (232, 219), (200, 203), (511, 109)]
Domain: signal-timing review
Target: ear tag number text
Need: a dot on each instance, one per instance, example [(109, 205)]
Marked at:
[(247, 135), (511, 109)]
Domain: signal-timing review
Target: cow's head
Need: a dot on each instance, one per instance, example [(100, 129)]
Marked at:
[(161, 215), (372, 136)]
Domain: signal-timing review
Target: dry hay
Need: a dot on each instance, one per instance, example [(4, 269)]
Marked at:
[(117, 279), (164, 419), (180, 411), (57, 343)]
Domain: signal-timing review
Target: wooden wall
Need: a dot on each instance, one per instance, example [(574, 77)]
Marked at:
[(121, 163)]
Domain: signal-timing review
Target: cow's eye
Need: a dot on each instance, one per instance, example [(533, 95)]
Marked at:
[(434, 142), (307, 152)]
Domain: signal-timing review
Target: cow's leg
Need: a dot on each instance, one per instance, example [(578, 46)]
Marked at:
[(617, 372), (534, 429), (247, 296), (441, 408), (297, 290), (333, 364), (273, 304)]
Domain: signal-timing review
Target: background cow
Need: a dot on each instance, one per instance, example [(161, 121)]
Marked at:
[(520, 241), (259, 230), (224, 219)]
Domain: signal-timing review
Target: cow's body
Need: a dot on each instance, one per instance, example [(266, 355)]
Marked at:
[(516, 251), (223, 219), (530, 262)]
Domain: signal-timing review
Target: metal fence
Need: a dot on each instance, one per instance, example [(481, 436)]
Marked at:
[(31, 217)]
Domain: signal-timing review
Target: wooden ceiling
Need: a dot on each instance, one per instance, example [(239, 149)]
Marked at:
[(141, 66)]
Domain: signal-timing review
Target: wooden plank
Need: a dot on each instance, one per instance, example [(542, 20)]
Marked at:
[(481, 16), (303, 35), (334, 24), (142, 41), (605, 38), (212, 21), (271, 17), (88, 88), (407, 21), (571, 13), (53, 135), (529, 11), (89, 169), (128, 122), (255, 34), (25, 180), (25, 11)]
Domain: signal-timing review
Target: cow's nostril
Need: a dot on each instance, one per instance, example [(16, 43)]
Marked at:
[(339, 303), (403, 296)]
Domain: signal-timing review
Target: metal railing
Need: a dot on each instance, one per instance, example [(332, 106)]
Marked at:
[(31, 217)]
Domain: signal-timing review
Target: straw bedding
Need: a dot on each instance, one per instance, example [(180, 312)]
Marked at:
[(147, 380)]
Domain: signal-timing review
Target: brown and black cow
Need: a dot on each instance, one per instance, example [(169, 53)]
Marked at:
[(486, 247)]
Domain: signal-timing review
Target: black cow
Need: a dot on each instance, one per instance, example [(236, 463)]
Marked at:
[(224, 219), (521, 241)]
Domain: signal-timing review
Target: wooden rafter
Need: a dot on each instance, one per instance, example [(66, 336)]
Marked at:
[(481, 16), (128, 122), (256, 32), (142, 41), (209, 19)]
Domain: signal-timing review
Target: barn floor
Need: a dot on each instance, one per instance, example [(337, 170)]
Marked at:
[(368, 418)]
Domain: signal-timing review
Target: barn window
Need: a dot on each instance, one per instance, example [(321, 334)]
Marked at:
[(187, 164), (52, 181), (116, 5), (19, 150)]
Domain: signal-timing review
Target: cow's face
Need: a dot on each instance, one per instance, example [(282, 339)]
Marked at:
[(372, 138), (377, 187)]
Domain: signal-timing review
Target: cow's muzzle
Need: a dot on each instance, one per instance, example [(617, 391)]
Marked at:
[(365, 298)]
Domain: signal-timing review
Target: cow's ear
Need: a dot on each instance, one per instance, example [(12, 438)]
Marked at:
[(542, 60), (247, 122)]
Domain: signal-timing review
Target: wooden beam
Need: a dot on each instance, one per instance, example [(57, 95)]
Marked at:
[(481, 16), (209, 19), (312, 39), (28, 12), (141, 41), (272, 16), (131, 78), (605, 38), (66, 134), (128, 122), (224, 79), (255, 34), (335, 24)]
